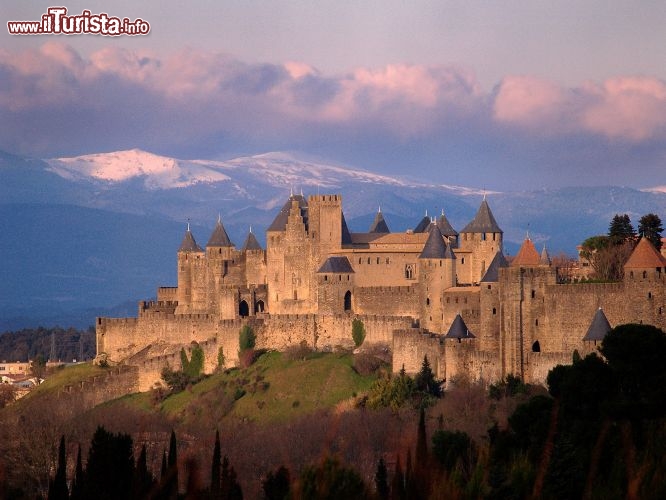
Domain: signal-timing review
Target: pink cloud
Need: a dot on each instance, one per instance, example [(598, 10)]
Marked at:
[(631, 109)]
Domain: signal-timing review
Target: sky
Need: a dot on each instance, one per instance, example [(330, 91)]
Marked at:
[(503, 95)]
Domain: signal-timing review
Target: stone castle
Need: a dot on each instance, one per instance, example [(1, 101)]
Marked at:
[(429, 291)]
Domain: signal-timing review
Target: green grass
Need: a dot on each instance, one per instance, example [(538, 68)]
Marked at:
[(273, 389), (68, 375)]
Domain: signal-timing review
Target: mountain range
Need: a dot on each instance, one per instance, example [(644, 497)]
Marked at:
[(90, 235)]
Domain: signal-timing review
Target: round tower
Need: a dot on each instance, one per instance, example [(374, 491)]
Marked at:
[(436, 274)]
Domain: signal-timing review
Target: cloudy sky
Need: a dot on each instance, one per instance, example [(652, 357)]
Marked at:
[(498, 94)]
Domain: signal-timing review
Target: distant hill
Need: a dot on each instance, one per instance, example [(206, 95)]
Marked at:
[(80, 236)]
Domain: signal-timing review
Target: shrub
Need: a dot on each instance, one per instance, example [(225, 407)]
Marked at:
[(366, 364), (246, 338), (220, 358), (507, 387), (298, 352), (358, 331)]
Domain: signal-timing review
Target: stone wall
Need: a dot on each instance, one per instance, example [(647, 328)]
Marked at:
[(410, 346), (384, 300)]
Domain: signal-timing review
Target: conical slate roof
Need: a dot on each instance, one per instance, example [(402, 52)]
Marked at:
[(346, 235), (459, 330), (336, 265), (544, 259), (599, 327), (189, 244), (251, 242), (423, 225), (379, 224), (644, 256), (527, 255), (445, 226), (280, 221), (483, 222), (219, 238), (434, 248), (492, 274)]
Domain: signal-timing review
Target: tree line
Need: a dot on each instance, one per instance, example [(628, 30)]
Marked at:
[(28, 343), (608, 253)]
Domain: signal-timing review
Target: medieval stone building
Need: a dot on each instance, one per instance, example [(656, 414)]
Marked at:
[(428, 291)]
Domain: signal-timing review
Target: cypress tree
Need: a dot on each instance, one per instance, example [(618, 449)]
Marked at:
[(172, 469), (78, 484), (58, 488), (163, 470), (381, 480), (225, 483), (421, 442), (398, 484), (143, 479), (235, 491), (276, 486), (215, 472)]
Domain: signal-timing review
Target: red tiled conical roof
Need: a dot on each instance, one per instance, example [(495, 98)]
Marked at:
[(527, 255), (645, 256)]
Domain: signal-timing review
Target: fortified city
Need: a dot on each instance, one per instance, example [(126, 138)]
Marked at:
[(432, 291)]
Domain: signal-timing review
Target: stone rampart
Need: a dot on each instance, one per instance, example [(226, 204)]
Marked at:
[(380, 300)]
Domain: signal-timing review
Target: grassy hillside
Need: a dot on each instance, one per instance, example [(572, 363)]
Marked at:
[(274, 389)]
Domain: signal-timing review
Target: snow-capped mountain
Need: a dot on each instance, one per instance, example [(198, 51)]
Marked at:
[(277, 169), (159, 172)]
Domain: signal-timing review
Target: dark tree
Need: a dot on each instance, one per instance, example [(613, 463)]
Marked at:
[(143, 479), (235, 491), (398, 491), (330, 479), (78, 484), (620, 229), (171, 486), (215, 469), (421, 442), (58, 488), (381, 481), (636, 354), (426, 382), (110, 466), (649, 226), (164, 467), (276, 486)]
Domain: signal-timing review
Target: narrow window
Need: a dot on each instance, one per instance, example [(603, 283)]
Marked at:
[(494, 310)]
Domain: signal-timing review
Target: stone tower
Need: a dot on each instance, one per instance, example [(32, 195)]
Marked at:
[(188, 253), (436, 274), (480, 240)]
